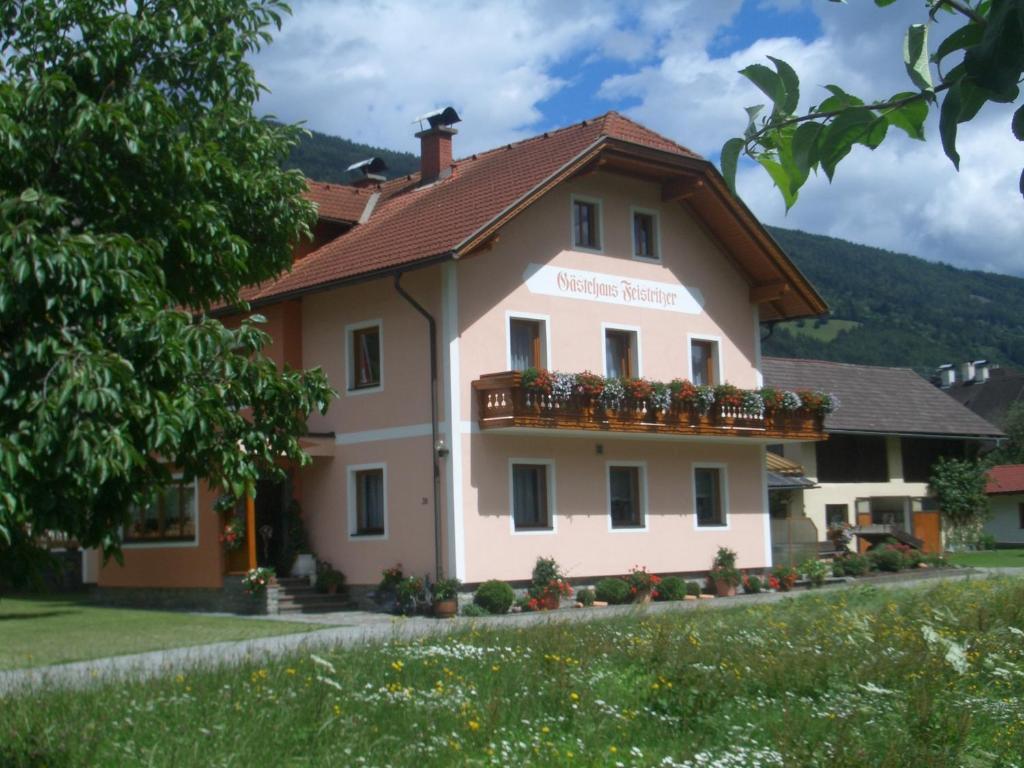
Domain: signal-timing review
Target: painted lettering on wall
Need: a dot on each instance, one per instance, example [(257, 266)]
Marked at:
[(612, 289)]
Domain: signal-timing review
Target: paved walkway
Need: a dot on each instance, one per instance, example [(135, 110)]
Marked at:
[(359, 627)]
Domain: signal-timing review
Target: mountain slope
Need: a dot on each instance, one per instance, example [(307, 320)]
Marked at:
[(899, 309), (887, 308)]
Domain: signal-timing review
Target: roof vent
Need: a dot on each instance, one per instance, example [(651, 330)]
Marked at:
[(367, 172), (436, 143), (967, 372), (947, 375)]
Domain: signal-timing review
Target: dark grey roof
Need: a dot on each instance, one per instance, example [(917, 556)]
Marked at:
[(777, 482), (991, 399), (894, 401)]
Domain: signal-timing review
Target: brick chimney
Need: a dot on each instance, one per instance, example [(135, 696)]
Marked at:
[(436, 143), (435, 151)]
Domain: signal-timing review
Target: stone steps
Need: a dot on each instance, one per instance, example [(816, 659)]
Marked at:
[(295, 595)]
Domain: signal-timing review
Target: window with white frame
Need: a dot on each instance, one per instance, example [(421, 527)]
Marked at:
[(625, 496), (645, 235), (586, 223), (367, 501), (620, 353), (531, 496), (364, 357), (708, 497), (704, 362), (526, 339), (169, 517)]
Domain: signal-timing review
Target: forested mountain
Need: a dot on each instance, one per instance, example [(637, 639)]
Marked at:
[(893, 309), (887, 308), (325, 158)]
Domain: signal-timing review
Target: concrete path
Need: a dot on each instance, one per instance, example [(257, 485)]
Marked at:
[(359, 627)]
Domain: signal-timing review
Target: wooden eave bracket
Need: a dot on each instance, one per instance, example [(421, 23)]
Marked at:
[(769, 292), (680, 189)]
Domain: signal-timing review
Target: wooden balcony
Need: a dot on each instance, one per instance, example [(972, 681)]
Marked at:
[(505, 404)]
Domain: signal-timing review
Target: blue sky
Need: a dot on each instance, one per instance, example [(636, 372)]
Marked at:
[(364, 70)]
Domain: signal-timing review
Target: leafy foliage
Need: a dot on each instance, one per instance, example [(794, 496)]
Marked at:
[(1011, 451), (959, 488), (989, 53), (907, 311), (137, 191)]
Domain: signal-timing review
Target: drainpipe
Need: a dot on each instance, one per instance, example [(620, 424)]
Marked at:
[(436, 449)]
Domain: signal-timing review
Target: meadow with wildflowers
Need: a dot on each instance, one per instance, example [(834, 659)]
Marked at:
[(932, 676)]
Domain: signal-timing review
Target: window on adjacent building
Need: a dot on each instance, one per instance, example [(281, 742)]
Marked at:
[(364, 357), (707, 482), (703, 363), (369, 501), (645, 235), (620, 354), (837, 514), (624, 497), (530, 504), (170, 516), (526, 341), (586, 224), (852, 459)]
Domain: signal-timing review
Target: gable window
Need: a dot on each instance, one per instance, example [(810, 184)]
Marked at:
[(170, 516), (620, 353), (367, 496), (707, 492), (526, 343), (364, 357), (704, 362), (645, 235), (852, 459), (531, 507), (624, 499), (586, 224)]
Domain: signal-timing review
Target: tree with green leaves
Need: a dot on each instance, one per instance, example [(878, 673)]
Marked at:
[(137, 192), (979, 62), (1011, 450), (959, 487)]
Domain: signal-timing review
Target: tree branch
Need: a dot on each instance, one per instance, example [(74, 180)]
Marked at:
[(966, 10)]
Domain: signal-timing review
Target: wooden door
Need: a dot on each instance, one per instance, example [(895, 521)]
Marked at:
[(927, 527)]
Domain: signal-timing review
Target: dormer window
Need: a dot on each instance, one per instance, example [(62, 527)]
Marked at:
[(586, 224)]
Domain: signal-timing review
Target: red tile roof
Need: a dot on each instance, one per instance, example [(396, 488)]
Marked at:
[(338, 202), (1006, 478), (412, 223)]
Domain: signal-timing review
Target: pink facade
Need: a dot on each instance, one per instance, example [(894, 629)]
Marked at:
[(694, 289)]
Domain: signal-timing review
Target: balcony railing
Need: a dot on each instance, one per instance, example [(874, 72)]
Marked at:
[(504, 403)]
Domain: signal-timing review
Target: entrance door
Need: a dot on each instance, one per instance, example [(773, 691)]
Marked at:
[(272, 497)]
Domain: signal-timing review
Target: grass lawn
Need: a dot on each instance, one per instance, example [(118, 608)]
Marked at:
[(991, 558), (53, 630), (932, 676)]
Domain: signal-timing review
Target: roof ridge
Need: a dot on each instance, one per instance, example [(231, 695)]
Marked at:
[(537, 137), (839, 362), (645, 129)]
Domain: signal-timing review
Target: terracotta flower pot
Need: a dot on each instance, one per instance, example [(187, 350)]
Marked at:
[(724, 588), (446, 609), (550, 601)]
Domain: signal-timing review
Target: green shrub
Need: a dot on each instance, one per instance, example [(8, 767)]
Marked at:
[(914, 558), (693, 589), (852, 565), (586, 596), (613, 591), (752, 585), (888, 558), (815, 571), (672, 588), (494, 596), (986, 541), (474, 610)]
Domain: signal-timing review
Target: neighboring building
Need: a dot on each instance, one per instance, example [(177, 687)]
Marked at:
[(986, 389), (1006, 489), (602, 247), (890, 428)]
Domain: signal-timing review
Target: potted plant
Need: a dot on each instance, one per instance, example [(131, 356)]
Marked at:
[(389, 578), (446, 594), (548, 585), (724, 574), (233, 535), (642, 584), (408, 593), (256, 579), (329, 580), (785, 577)]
